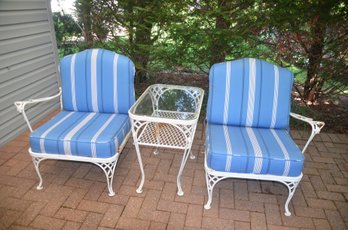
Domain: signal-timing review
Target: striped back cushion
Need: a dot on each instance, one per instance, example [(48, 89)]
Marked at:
[(249, 92), (97, 80)]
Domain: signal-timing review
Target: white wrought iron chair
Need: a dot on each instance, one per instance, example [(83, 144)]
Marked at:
[(97, 89), (247, 126)]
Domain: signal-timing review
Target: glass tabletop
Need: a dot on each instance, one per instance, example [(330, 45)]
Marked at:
[(169, 101)]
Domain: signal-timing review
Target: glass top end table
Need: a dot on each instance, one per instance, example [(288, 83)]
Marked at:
[(166, 116)]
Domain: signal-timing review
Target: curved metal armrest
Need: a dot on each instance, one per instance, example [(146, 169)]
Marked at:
[(20, 105), (316, 127)]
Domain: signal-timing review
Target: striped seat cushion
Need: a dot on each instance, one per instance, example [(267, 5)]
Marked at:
[(252, 150), (81, 134), (97, 80), (249, 92)]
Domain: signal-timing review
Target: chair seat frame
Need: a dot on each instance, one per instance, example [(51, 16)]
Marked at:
[(213, 177), (108, 165)]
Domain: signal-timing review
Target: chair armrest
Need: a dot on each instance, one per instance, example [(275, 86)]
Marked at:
[(20, 105), (316, 127)]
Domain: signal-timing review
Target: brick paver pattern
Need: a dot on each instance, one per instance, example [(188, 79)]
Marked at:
[(75, 194)]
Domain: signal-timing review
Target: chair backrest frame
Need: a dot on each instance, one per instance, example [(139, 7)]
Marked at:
[(97, 80), (249, 92)]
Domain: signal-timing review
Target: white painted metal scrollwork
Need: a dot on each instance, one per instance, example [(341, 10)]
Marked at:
[(291, 185), (36, 161), (211, 181), (109, 170), (166, 128)]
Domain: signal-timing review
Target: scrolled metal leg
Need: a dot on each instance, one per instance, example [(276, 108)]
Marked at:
[(211, 181), (140, 188), (36, 161), (192, 157), (182, 166), (109, 170), (291, 187), (156, 151)]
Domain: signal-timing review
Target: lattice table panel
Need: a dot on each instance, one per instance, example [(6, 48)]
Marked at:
[(163, 135)]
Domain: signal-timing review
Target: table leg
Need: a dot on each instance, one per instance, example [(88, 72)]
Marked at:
[(140, 188), (192, 157), (182, 166)]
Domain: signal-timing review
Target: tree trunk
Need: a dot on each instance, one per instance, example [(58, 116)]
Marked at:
[(218, 48), (313, 81), (142, 42)]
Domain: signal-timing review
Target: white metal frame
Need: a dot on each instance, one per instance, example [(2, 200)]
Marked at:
[(213, 177), (108, 165), (160, 131)]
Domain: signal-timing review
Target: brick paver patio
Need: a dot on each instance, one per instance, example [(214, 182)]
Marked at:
[(75, 196)]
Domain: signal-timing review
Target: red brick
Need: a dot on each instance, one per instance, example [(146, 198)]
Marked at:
[(169, 191), (75, 198), (117, 199), (258, 221), (177, 219), (308, 189), (158, 226), (266, 198), (92, 221), (71, 214), (343, 209), (194, 216), (29, 215), (321, 224), (45, 222), (318, 203), (8, 217), (330, 196), (278, 227), (254, 186), (132, 223), (241, 190), (18, 227), (335, 220), (241, 225), (172, 206), (226, 198), (111, 216), (15, 204), (130, 191), (133, 206), (95, 191), (190, 198), (232, 214), (337, 188), (69, 225), (93, 206), (246, 205), (273, 214), (296, 221), (79, 183), (82, 170), (309, 212)]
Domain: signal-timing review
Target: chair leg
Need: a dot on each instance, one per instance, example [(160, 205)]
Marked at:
[(109, 170), (36, 161), (211, 181), (182, 165), (291, 185)]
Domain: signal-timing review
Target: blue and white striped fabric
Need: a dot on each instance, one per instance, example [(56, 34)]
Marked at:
[(97, 80), (85, 134), (252, 150), (249, 92)]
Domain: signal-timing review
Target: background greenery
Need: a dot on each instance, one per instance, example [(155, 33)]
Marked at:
[(188, 36)]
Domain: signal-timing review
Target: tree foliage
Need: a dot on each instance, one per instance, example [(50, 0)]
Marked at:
[(193, 35), (65, 28)]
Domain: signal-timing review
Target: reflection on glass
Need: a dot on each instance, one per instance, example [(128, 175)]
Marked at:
[(168, 103)]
